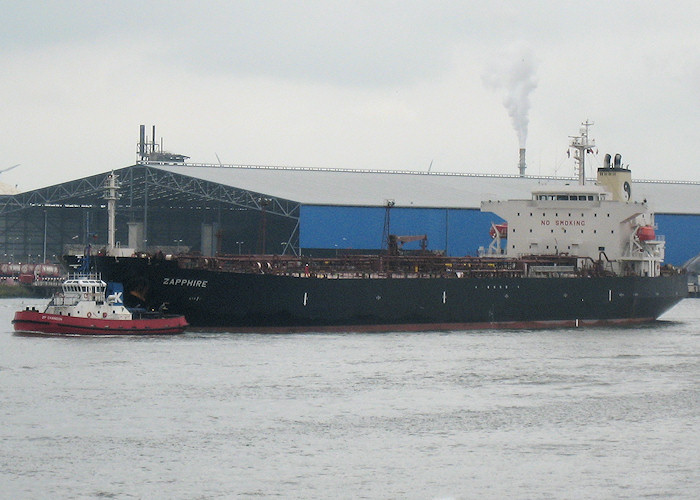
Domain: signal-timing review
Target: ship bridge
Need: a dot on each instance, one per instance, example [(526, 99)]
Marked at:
[(570, 193)]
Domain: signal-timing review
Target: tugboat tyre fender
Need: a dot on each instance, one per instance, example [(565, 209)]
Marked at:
[(89, 315), (104, 315)]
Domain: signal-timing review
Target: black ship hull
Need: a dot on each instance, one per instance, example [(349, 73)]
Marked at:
[(268, 302)]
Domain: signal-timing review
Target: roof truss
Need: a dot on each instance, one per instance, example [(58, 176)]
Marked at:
[(142, 184)]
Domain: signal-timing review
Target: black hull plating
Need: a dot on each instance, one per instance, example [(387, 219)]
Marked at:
[(260, 302)]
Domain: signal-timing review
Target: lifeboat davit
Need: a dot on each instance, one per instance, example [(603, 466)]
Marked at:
[(502, 230), (646, 233)]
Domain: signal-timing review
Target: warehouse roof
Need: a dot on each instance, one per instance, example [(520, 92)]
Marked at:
[(313, 186)]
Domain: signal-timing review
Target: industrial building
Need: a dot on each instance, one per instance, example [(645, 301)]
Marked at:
[(174, 206)]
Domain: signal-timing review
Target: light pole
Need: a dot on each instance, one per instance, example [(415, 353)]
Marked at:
[(239, 243), (45, 221), (14, 242)]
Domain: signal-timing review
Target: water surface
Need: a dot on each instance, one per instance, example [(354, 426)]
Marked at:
[(566, 413)]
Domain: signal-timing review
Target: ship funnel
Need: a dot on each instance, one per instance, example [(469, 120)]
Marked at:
[(616, 180), (521, 163), (618, 160)]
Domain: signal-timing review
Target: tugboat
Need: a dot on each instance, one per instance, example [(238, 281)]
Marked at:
[(89, 306)]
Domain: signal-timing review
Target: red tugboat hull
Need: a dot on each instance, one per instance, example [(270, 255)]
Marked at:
[(36, 322)]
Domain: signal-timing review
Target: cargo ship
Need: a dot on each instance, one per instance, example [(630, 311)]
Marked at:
[(573, 255)]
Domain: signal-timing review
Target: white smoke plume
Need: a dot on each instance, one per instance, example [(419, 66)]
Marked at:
[(514, 73)]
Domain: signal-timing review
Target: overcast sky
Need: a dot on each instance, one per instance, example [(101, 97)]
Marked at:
[(340, 84)]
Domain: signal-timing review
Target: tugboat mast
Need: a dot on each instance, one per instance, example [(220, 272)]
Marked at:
[(582, 145)]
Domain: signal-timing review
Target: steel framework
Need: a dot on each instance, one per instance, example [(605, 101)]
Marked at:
[(147, 194)]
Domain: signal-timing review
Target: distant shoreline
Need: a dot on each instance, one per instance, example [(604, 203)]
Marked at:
[(20, 291)]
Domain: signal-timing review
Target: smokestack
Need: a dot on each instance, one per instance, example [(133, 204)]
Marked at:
[(142, 143), (521, 164)]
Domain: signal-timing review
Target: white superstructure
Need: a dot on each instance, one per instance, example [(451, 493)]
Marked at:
[(600, 223), (85, 296)]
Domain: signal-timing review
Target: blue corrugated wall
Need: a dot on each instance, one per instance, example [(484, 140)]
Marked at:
[(459, 231), (682, 234)]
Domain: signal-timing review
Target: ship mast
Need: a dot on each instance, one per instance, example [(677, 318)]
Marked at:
[(111, 196), (582, 145)]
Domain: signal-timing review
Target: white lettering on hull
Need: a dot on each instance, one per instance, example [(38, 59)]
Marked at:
[(185, 282), (51, 317)]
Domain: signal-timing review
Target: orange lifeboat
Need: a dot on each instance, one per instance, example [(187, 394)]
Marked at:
[(502, 230), (646, 233)]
